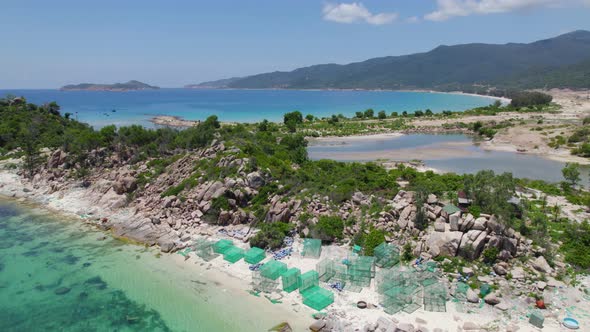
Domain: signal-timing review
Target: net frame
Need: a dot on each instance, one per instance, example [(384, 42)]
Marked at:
[(312, 248), (386, 255), (273, 269), (222, 245), (254, 255), (233, 254), (291, 279)]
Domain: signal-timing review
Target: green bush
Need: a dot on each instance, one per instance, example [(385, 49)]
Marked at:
[(328, 228), (271, 235), (372, 240), (407, 254), (490, 255)]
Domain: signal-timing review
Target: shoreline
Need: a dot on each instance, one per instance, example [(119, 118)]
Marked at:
[(214, 273), (233, 279), (178, 121)]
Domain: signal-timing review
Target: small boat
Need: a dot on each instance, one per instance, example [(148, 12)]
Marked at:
[(571, 323), (114, 111)]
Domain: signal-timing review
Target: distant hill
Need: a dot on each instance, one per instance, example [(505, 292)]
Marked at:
[(223, 83), (550, 62), (131, 85)]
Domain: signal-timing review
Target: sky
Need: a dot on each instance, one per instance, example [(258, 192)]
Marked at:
[(47, 44)]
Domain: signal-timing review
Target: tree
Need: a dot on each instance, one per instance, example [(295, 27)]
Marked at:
[(428, 112), (263, 126), (333, 119), (360, 115), (394, 114), (292, 120), (382, 115), (418, 113), (369, 113), (404, 113), (491, 193), (309, 117), (571, 173), (29, 141)]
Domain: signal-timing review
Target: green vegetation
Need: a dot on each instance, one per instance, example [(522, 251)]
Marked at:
[(271, 235), (280, 156), (328, 229), (571, 172), (529, 98)]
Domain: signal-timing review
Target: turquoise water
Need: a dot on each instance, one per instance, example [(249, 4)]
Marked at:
[(137, 107), (60, 275)]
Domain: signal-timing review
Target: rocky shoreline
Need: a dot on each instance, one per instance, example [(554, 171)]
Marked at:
[(112, 198)]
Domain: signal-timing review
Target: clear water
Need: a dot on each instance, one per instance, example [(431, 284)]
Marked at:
[(55, 275), (457, 154), (137, 107)]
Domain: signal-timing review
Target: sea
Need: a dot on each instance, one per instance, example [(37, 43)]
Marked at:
[(101, 108), (59, 274)]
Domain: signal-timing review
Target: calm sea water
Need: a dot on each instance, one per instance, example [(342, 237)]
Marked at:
[(132, 107), (448, 153), (56, 275)]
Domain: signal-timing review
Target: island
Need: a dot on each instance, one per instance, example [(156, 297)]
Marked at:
[(127, 86)]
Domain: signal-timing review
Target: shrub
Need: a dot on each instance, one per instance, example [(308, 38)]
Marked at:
[(490, 255), (372, 240), (271, 235), (407, 254), (328, 228)]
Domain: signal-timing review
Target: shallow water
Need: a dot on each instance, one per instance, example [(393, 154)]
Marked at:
[(56, 275), (137, 107), (448, 153)]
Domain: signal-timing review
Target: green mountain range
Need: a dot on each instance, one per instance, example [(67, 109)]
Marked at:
[(131, 85), (562, 61)]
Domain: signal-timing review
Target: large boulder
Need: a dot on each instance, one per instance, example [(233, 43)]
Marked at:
[(454, 221), (480, 224), (472, 244), (467, 223), (494, 226), (255, 180), (472, 296), (492, 298), (444, 243), (56, 159), (541, 265), (501, 268), (125, 185)]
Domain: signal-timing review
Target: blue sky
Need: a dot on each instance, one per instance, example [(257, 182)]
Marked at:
[(47, 44)]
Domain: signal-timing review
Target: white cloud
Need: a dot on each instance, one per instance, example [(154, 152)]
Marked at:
[(355, 12), (413, 19), (453, 8)]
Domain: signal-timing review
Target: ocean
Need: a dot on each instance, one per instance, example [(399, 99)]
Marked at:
[(100, 108), (59, 274)]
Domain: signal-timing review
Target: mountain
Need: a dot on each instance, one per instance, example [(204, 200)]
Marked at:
[(223, 83), (576, 76), (533, 65), (131, 85)]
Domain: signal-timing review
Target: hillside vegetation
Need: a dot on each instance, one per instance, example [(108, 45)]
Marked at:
[(259, 174), (556, 62)]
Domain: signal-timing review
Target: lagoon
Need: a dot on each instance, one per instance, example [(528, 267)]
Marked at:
[(447, 153)]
